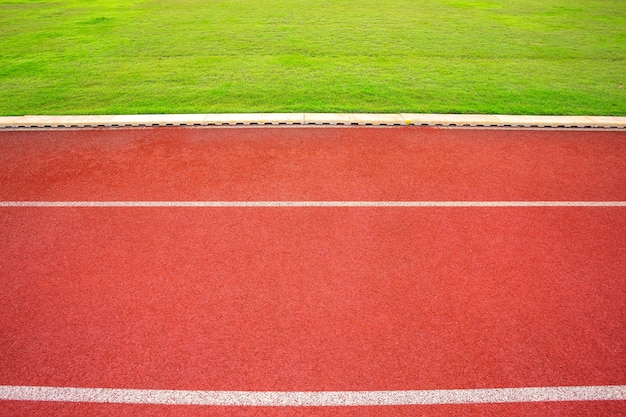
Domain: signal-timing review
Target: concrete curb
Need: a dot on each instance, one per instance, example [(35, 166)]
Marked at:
[(334, 119)]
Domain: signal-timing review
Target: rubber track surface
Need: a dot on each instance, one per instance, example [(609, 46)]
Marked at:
[(312, 298)]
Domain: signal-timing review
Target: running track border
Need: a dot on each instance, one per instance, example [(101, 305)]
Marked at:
[(313, 398), (314, 119)]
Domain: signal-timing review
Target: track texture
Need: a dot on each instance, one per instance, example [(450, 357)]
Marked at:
[(313, 298)]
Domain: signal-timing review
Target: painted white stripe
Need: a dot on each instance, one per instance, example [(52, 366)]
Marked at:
[(315, 399), (312, 203)]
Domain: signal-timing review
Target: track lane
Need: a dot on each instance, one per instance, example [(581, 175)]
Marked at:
[(314, 299), (325, 164)]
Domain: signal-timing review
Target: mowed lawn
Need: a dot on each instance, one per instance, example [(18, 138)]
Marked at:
[(210, 56)]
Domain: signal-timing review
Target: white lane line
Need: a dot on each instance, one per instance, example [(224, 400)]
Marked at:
[(313, 399), (312, 203)]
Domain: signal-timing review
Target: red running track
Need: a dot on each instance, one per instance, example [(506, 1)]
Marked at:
[(312, 164), (313, 298)]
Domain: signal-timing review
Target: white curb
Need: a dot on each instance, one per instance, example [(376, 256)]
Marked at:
[(335, 119)]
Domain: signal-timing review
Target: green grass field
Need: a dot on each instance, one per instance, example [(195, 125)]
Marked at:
[(212, 56)]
